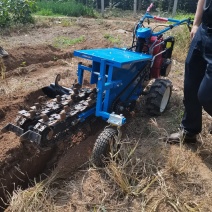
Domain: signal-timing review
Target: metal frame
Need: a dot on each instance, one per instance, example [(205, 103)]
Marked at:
[(104, 63)]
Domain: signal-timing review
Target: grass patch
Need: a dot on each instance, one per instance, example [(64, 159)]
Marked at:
[(67, 8), (63, 42), (45, 12), (66, 23), (182, 42), (112, 39), (181, 16)]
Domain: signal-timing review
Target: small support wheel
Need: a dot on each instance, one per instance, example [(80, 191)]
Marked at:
[(104, 144), (158, 97)]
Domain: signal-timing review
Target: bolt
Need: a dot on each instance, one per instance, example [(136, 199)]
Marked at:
[(62, 115)]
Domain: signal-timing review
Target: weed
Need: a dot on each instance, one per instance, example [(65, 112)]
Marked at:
[(34, 198), (100, 21), (183, 15), (66, 23), (112, 39), (55, 58), (182, 42), (23, 64), (68, 8), (45, 12), (63, 42)]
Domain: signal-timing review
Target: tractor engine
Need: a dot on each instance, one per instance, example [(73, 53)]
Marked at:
[(162, 52)]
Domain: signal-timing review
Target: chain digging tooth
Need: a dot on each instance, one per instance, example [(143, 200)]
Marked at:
[(70, 102), (67, 108), (37, 106), (74, 97), (92, 96), (90, 101), (41, 99), (44, 117), (94, 90), (62, 115), (76, 91), (77, 86), (50, 134), (58, 97), (32, 114)]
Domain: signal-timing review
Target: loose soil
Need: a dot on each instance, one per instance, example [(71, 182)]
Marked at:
[(33, 63)]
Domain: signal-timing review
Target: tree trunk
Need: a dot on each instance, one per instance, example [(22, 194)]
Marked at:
[(174, 8), (102, 7), (139, 5), (135, 7)]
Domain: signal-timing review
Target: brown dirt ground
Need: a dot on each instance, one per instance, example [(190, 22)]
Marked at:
[(33, 63)]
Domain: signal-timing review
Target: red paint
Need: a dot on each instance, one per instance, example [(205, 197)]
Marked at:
[(160, 18), (155, 70)]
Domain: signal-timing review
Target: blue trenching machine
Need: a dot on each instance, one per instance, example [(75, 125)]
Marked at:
[(120, 76)]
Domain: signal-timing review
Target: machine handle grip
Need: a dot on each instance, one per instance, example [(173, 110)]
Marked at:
[(160, 18), (149, 8)]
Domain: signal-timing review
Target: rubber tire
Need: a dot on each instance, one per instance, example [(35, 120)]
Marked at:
[(102, 146), (155, 96)]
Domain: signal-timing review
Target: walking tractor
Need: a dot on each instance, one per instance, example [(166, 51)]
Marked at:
[(120, 75)]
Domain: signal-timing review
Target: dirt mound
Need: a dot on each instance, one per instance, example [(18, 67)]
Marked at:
[(27, 55)]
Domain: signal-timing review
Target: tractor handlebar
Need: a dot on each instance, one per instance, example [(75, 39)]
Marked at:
[(176, 22)]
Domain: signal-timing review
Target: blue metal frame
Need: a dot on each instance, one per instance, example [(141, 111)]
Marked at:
[(112, 69)]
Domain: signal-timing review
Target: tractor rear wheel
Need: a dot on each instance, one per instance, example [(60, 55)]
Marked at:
[(104, 144), (158, 97)]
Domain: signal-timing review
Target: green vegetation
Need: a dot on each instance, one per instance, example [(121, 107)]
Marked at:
[(16, 11), (66, 23), (182, 42), (67, 8), (112, 39), (184, 15), (45, 12), (63, 42)]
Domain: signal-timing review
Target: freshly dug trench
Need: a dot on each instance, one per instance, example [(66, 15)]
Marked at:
[(21, 164)]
